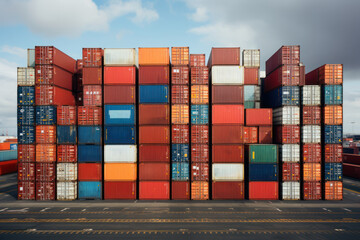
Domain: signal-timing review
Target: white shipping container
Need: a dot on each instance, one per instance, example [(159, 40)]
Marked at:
[(251, 57), (311, 134), (120, 153), (66, 190), (120, 57), (289, 152), (66, 171), (290, 190), (25, 76), (227, 75), (31, 58), (287, 115), (228, 172), (311, 95), (262, 74)]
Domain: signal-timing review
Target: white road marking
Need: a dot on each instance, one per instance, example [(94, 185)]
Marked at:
[(325, 209), (347, 209), (43, 210), (64, 209), (210, 208), (4, 209), (278, 209), (83, 210), (19, 210), (105, 208)]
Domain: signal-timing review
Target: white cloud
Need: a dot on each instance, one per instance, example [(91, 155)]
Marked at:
[(20, 52), (200, 14)]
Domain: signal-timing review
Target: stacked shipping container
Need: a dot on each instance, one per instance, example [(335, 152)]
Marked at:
[(251, 63)]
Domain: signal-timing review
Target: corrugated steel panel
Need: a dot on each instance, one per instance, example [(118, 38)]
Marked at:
[(153, 94), (154, 75), (180, 56), (333, 171), (283, 96), (227, 94), (180, 153), (89, 153), (66, 172), (25, 76), (26, 95), (199, 153), (332, 94), (251, 57), (227, 75), (288, 115), (120, 57), (263, 153), (120, 171), (90, 190), (227, 114), (228, 172), (199, 94), (179, 114), (26, 115), (119, 114), (312, 172), (224, 56), (66, 190), (285, 55), (263, 190), (154, 190), (228, 190), (252, 93), (311, 95), (180, 94), (333, 115), (332, 134), (119, 134), (289, 153), (120, 153), (263, 172), (154, 56), (333, 190), (311, 115), (291, 190), (180, 171), (199, 114), (199, 190), (89, 135), (26, 134), (66, 134), (31, 57)]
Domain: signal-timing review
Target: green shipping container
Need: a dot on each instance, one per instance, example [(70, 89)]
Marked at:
[(263, 153)]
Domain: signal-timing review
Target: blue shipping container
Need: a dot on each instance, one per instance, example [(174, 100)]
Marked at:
[(8, 155), (180, 153), (26, 115), (154, 94), (89, 134), (26, 134), (119, 134), (251, 93), (13, 146), (45, 115), (119, 115), (89, 153), (263, 172), (284, 96), (332, 134), (199, 114), (89, 190), (26, 95), (66, 134), (180, 171), (332, 94), (333, 171)]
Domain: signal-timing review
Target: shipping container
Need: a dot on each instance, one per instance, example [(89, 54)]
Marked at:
[(26, 95), (251, 76), (224, 56), (154, 114), (26, 171), (333, 190), (227, 134), (45, 134), (92, 76), (45, 152), (89, 153), (26, 134), (90, 171), (25, 76), (333, 171), (312, 172), (154, 75), (286, 75), (199, 190), (46, 55), (153, 94), (199, 114), (291, 190), (199, 153), (92, 57), (25, 115), (311, 134), (89, 115), (92, 95), (26, 190), (120, 190), (228, 172), (223, 94), (312, 153), (154, 56), (311, 95), (332, 94), (45, 190), (180, 190), (258, 117), (180, 114), (154, 171), (227, 153), (263, 190), (66, 153), (199, 94), (333, 115), (8, 167), (311, 115), (332, 134), (120, 171), (120, 153), (66, 190), (52, 95), (333, 153), (66, 171), (45, 115), (199, 134), (328, 74), (26, 153), (180, 55), (227, 75), (283, 96), (66, 134), (154, 153), (227, 114), (197, 60), (119, 115), (90, 190), (120, 56), (251, 57), (45, 172), (287, 134), (180, 153), (312, 190), (252, 93), (89, 135), (154, 190), (228, 190), (289, 153), (53, 75), (180, 75), (180, 94), (200, 171), (286, 55), (265, 134), (119, 75), (31, 57), (263, 153), (8, 155), (66, 115), (119, 134), (119, 94), (180, 171), (263, 172), (251, 104), (290, 171), (288, 115), (180, 133), (199, 75)]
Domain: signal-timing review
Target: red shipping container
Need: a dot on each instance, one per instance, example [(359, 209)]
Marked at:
[(154, 114), (66, 115), (224, 56), (154, 190), (251, 76), (302, 75), (26, 190), (312, 190), (154, 153), (200, 153), (197, 60), (119, 75), (351, 158), (89, 115), (8, 167), (154, 134), (228, 114), (311, 115), (47, 55), (92, 57), (45, 134), (52, 95), (223, 94), (79, 65), (180, 133), (119, 94), (290, 171), (258, 117), (120, 190), (227, 134), (89, 172), (154, 171), (26, 171), (180, 75), (263, 190), (333, 190), (199, 134), (333, 153), (286, 75), (228, 190), (26, 152), (45, 190), (45, 172), (180, 190), (351, 170), (199, 171), (180, 94), (53, 75), (287, 134), (250, 135), (331, 74), (154, 75), (92, 76), (265, 134), (199, 75), (286, 55), (228, 153), (67, 153), (79, 98), (312, 153), (92, 95)]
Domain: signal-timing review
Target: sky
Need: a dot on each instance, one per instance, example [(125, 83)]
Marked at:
[(326, 30)]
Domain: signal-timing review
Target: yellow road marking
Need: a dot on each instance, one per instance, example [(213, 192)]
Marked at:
[(352, 190)]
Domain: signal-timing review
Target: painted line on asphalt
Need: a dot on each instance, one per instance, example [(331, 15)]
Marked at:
[(352, 190)]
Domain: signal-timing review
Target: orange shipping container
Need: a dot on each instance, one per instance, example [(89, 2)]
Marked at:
[(312, 172), (331, 74), (120, 171), (4, 146), (180, 114), (333, 115), (199, 94), (180, 55), (45, 153), (199, 190), (333, 190), (228, 114), (45, 134), (154, 56)]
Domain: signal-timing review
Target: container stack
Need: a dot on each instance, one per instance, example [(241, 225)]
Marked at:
[(154, 124), (180, 129), (90, 153), (120, 150), (251, 63), (227, 79), (330, 77), (199, 127)]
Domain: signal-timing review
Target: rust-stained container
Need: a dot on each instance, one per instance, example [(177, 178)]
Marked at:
[(228, 190), (224, 56), (333, 190), (287, 134), (66, 115), (180, 190), (199, 190), (119, 75), (120, 171), (199, 134), (265, 134), (26, 190), (52, 95), (286, 55), (227, 153), (154, 114), (45, 172), (227, 114), (92, 76), (89, 171), (92, 95), (251, 76), (223, 94), (66, 153), (92, 57), (333, 115), (312, 172), (199, 171), (154, 153), (154, 134), (53, 75), (26, 171), (45, 152), (180, 56), (199, 75), (258, 117), (197, 60), (45, 190), (199, 94), (180, 133), (45, 134), (180, 75), (311, 115), (51, 55), (154, 56), (180, 94), (333, 153), (312, 190), (328, 74), (286, 75), (119, 94), (250, 135), (290, 171), (26, 152), (180, 114), (154, 75), (263, 190), (199, 153), (89, 115), (120, 190), (227, 134), (154, 190), (311, 153), (154, 171)]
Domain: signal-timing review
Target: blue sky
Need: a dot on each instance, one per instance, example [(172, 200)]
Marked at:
[(325, 29)]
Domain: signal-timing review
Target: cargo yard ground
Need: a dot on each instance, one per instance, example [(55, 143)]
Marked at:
[(179, 219)]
